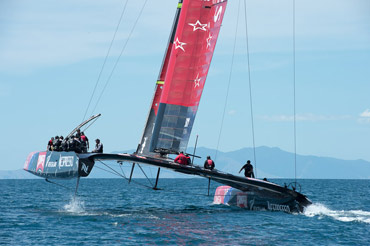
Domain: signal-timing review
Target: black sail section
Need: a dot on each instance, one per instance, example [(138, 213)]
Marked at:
[(176, 126)]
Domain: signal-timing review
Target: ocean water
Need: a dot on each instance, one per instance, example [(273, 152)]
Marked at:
[(111, 212)]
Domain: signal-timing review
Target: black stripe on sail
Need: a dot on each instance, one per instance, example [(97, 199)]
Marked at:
[(172, 127)]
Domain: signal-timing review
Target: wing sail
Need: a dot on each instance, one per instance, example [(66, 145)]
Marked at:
[(193, 45)]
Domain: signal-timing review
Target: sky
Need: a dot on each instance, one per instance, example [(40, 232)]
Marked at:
[(51, 54)]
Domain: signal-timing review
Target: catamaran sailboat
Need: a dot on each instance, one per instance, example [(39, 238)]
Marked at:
[(171, 117)]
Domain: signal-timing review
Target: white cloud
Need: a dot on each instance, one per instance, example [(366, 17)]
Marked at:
[(366, 113), (304, 117), (232, 112), (364, 117)]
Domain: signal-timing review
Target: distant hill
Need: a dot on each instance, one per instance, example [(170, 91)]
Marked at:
[(16, 174), (271, 163), (276, 163)]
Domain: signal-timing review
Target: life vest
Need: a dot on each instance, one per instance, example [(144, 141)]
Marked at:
[(209, 162), (181, 159), (83, 138)]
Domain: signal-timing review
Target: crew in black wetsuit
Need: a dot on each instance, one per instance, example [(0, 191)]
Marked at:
[(78, 134), (61, 139), (248, 170), (56, 143), (77, 144), (188, 159), (71, 144), (64, 145)]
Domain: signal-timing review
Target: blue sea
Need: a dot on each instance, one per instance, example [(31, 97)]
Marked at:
[(111, 212)]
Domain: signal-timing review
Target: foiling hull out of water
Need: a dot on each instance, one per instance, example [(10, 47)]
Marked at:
[(258, 200), (57, 165)]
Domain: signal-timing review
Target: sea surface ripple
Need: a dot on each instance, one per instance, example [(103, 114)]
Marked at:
[(111, 212)]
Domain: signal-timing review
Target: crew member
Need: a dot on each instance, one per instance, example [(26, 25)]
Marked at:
[(71, 144), (248, 170), (98, 146), (77, 144), (181, 159), (188, 160), (61, 139), (50, 144), (64, 145), (78, 134), (209, 163), (84, 143), (56, 143)]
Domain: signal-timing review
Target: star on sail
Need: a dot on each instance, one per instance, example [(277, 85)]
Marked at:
[(179, 44), (198, 26), (197, 81), (209, 40)]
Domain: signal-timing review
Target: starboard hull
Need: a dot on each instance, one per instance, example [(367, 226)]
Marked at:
[(258, 200)]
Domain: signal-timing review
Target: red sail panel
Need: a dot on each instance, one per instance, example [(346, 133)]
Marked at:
[(194, 42)]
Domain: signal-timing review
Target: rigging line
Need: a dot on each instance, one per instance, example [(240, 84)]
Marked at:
[(250, 85), (123, 173), (117, 60), (145, 174), (105, 60), (114, 171), (138, 183), (228, 86), (118, 174), (294, 99), (107, 170)]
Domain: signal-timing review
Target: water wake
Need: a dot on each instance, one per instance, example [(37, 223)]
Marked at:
[(321, 211), (75, 206)]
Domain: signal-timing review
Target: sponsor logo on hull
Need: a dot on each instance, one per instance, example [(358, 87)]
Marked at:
[(66, 161), (85, 168), (278, 207), (41, 161), (50, 163)]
